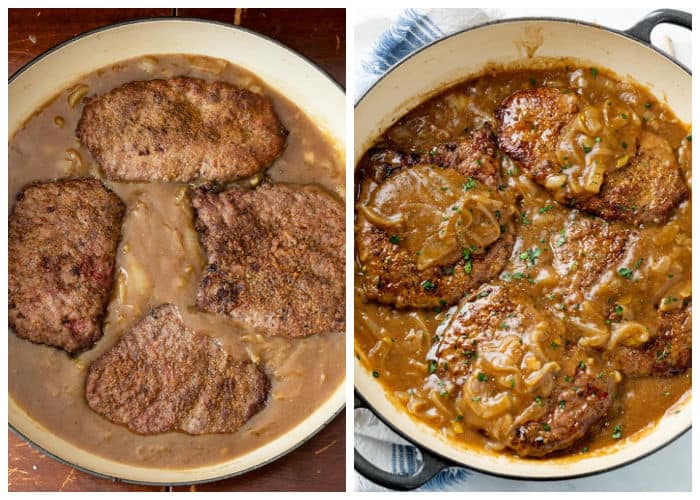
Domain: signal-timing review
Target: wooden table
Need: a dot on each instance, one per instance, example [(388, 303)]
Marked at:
[(319, 34)]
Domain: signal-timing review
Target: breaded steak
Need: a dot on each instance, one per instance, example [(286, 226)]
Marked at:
[(584, 250), (62, 243), (276, 257), (181, 130), (162, 376), (666, 354), (461, 175), (529, 125), (647, 190), (500, 330)]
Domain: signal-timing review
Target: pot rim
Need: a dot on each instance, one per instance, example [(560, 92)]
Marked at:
[(564, 20), (336, 411), (384, 419)]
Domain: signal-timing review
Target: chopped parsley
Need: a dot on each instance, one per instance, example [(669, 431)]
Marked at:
[(625, 273), (394, 240), (586, 149), (647, 105), (554, 345), (531, 255), (562, 238), (375, 374), (617, 432), (639, 263), (468, 267), (594, 72), (428, 285), (545, 209), (476, 399), (660, 355), (623, 116), (624, 145), (546, 427), (432, 366), (689, 138), (524, 220), (562, 404), (619, 309), (470, 184), (538, 400), (482, 377)]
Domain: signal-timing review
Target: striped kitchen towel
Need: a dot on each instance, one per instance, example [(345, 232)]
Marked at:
[(410, 29)]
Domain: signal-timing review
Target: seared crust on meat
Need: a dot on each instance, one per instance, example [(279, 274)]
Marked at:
[(499, 327), (668, 353), (62, 243), (647, 190), (181, 130), (492, 313), (587, 248), (162, 376), (473, 156), (567, 414), (529, 125), (275, 257), (390, 273)]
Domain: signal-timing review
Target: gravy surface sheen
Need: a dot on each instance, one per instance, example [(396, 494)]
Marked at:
[(397, 345), (160, 261)]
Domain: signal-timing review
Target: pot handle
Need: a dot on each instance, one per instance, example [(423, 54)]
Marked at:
[(432, 464), (642, 30)]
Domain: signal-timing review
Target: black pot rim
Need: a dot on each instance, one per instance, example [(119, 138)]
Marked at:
[(144, 20)]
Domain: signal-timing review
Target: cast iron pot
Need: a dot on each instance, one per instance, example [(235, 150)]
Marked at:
[(453, 59), (281, 68)]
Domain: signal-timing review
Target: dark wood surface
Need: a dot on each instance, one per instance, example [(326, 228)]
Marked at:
[(319, 34)]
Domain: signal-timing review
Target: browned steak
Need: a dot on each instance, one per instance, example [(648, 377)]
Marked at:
[(567, 414), (472, 156), (529, 125), (276, 257), (518, 372), (647, 190), (62, 243), (463, 173), (162, 376), (182, 129), (584, 250), (666, 354)]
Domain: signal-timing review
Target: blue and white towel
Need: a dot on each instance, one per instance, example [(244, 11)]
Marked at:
[(384, 37), (665, 470)]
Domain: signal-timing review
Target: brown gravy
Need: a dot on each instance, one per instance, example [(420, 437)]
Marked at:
[(394, 345), (159, 261)]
